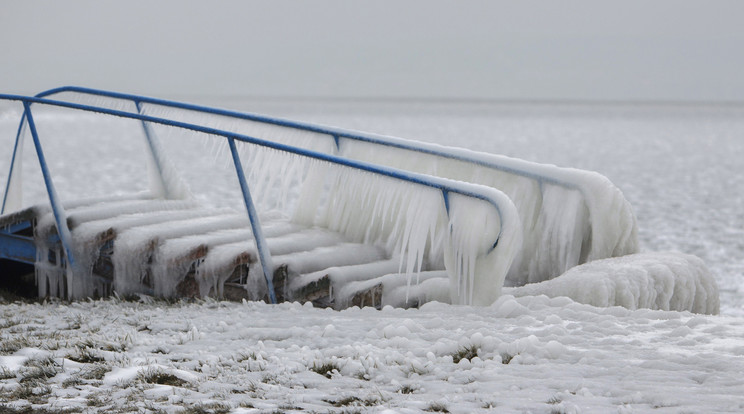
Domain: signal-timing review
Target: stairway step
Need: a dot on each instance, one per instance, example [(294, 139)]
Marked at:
[(321, 284), (282, 239), (391, 289)]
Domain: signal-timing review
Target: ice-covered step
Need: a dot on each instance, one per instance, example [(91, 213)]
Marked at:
[(395, 289), (115, 225), (39, 212), (235, 239), (293, 265), (78, 214), (113, 210), (223, 261), (135, 247), (93, 240), (171, 259), (321, 285)]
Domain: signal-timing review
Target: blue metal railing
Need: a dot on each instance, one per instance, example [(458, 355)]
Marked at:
[(444, 185), (336, 133)]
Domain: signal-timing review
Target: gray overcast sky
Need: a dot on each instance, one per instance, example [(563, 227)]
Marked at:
[(575, 49)]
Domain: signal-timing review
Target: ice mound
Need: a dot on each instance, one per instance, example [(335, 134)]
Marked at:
[(664, 281)]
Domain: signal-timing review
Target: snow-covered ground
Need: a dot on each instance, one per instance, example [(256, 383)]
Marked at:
[(679, 166)]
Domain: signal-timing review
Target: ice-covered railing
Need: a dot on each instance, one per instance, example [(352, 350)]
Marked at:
[(473, 229), (568, 216)]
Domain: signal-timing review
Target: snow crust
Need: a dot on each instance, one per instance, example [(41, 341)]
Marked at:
[(666, 281), (523, 354)]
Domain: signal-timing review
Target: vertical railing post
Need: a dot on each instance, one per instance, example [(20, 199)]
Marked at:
[(264, 256), (57, 209), (155, 153), (14, 160)]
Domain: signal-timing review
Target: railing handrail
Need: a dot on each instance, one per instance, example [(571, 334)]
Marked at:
[(336, 132), (489, 195)]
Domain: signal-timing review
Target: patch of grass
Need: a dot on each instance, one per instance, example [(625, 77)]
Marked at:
[(96, 372), (5, 373), (465, 353), (412, 369), (242, 356), (554, 400), (407, 389), (507, 358), (344, 401), (73, 381), (436, 407), (157, 376), (75, 321), (85, 356), (34, 392), (97, 400), (327, 369), (211, 408), (354, 401), (120, 346), (11, 345), (39, 369), (10, 322), (7, 409)]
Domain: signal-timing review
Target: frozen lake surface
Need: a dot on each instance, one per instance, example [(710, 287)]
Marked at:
[(679, 166)]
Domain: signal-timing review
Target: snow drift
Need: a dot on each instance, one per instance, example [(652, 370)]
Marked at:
[(662, 281)]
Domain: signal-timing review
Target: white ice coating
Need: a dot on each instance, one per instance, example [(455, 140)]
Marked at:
[(665, 281), (566, 219), (133, 250), (397, 289), (54, 274), (568, 216), (282, 238), (412, 223)]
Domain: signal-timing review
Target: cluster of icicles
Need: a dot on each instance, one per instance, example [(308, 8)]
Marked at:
[(543, 227)]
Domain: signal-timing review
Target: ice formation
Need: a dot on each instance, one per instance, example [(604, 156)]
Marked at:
[(664, 281), (568, 216), (565, 217)]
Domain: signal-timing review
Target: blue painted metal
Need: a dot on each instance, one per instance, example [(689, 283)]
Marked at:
[(336, 133), (441, 184), (13, 160), (337, 141), (60, 217), (17, 227), (17, 248), (264, 255), (154, 152)]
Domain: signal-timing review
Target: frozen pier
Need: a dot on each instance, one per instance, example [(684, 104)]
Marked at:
[(341, 218)]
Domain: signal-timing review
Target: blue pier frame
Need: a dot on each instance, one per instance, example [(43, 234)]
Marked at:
[(445, 186)]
